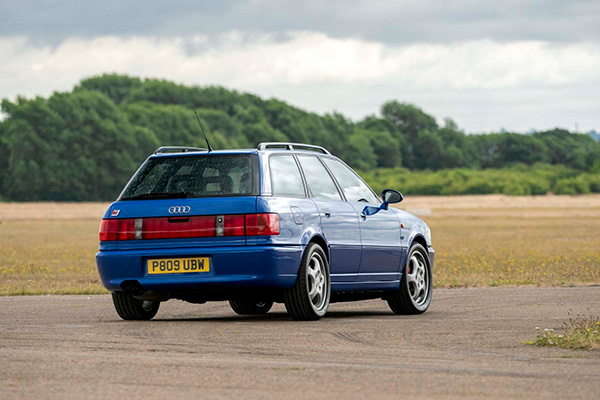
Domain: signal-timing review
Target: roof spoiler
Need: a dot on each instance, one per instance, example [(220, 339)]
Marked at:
[(178, 149)]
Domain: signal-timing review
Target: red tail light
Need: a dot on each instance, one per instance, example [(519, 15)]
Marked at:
[(169, 228), (234, 225), (262, 224), (126, 229), (108, 230), (188, 227)]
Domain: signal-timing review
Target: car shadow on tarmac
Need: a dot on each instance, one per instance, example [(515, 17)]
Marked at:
[(282, 316)]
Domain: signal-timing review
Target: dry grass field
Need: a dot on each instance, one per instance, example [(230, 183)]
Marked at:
[(479, 241)]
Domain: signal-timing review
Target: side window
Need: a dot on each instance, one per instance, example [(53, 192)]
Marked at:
[(354, 188), (285, 176), (319, 182)]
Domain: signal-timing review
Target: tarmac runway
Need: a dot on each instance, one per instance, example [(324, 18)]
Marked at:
[(470, 344)]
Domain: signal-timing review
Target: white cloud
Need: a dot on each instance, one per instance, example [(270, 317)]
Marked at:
[(480, 82)]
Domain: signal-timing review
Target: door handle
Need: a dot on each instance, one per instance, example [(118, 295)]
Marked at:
[(363, 216), (327, 214)]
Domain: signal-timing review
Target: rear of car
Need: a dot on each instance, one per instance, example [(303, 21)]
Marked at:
[(191, 225), (285, 222)]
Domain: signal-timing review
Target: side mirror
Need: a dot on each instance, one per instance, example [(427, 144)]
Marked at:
[(391, 196)]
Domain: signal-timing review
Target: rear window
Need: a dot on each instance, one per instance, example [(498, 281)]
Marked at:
[(195, 176)]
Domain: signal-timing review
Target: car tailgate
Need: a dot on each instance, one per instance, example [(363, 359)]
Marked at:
[(185, 223)]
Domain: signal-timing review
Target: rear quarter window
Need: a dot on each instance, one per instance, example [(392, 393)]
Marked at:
[(285, 176)]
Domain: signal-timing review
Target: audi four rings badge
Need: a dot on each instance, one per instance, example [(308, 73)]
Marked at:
[(179, 209)]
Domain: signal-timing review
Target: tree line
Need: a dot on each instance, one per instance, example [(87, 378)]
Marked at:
[(85, 144)]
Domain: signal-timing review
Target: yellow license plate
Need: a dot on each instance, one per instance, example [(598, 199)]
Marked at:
[(178, 265)]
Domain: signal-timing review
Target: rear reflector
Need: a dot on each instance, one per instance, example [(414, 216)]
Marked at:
[(189, 227)]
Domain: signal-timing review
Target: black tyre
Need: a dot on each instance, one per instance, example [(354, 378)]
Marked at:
[(250, 308), (131, 309), (308, 300), (416, 286)]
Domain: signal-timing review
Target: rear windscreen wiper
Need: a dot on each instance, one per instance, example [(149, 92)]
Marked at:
[(158, 195)]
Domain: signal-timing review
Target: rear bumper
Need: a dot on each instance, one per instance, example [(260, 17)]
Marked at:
[(240, 266)]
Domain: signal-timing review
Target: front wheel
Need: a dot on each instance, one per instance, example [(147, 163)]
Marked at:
[(414, 295), (250, 308), (308, 299), (131, 309)]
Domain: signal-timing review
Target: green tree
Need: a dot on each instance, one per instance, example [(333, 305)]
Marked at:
[(72, 146), (571, 149), (360, 153), (114, 86), (408, 118), (85, 144)]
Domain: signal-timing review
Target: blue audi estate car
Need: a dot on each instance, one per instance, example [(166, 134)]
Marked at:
[(285, 222)]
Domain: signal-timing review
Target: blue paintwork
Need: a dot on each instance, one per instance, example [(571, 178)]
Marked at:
[(339, 223), (381, 246), (366, 253), (249, 266)]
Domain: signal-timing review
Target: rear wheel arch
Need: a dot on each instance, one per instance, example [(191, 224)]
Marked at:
[(320, 240), (308, 299)]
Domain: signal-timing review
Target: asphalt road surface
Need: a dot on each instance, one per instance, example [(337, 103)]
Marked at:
[(468, 345)]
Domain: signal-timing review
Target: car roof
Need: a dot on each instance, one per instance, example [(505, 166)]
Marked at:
[(204, 152), (267, 147)]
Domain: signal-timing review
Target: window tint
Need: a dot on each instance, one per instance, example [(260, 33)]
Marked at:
[(354, 188), (285, 176), (319, 182), (195, 176)]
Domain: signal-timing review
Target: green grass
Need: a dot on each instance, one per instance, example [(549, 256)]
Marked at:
[(554, 241), (580, 333), (516, 180), (49, 257)]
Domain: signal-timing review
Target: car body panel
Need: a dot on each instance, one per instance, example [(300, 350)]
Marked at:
[(381, 246), (254, 266), (290, 210), (339, 224), (365, 254)]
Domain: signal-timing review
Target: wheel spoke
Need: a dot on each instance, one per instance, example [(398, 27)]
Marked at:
[(411, 276), (421, 279), (417, 294), (316, 274), (316, 264), (421, 268), (313, 291), (317, 299), (313, 272)]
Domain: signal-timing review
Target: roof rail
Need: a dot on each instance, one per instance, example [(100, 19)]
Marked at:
[(292, 146), (180, 149)]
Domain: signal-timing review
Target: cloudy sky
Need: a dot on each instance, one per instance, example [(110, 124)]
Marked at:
[(488, 64)]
